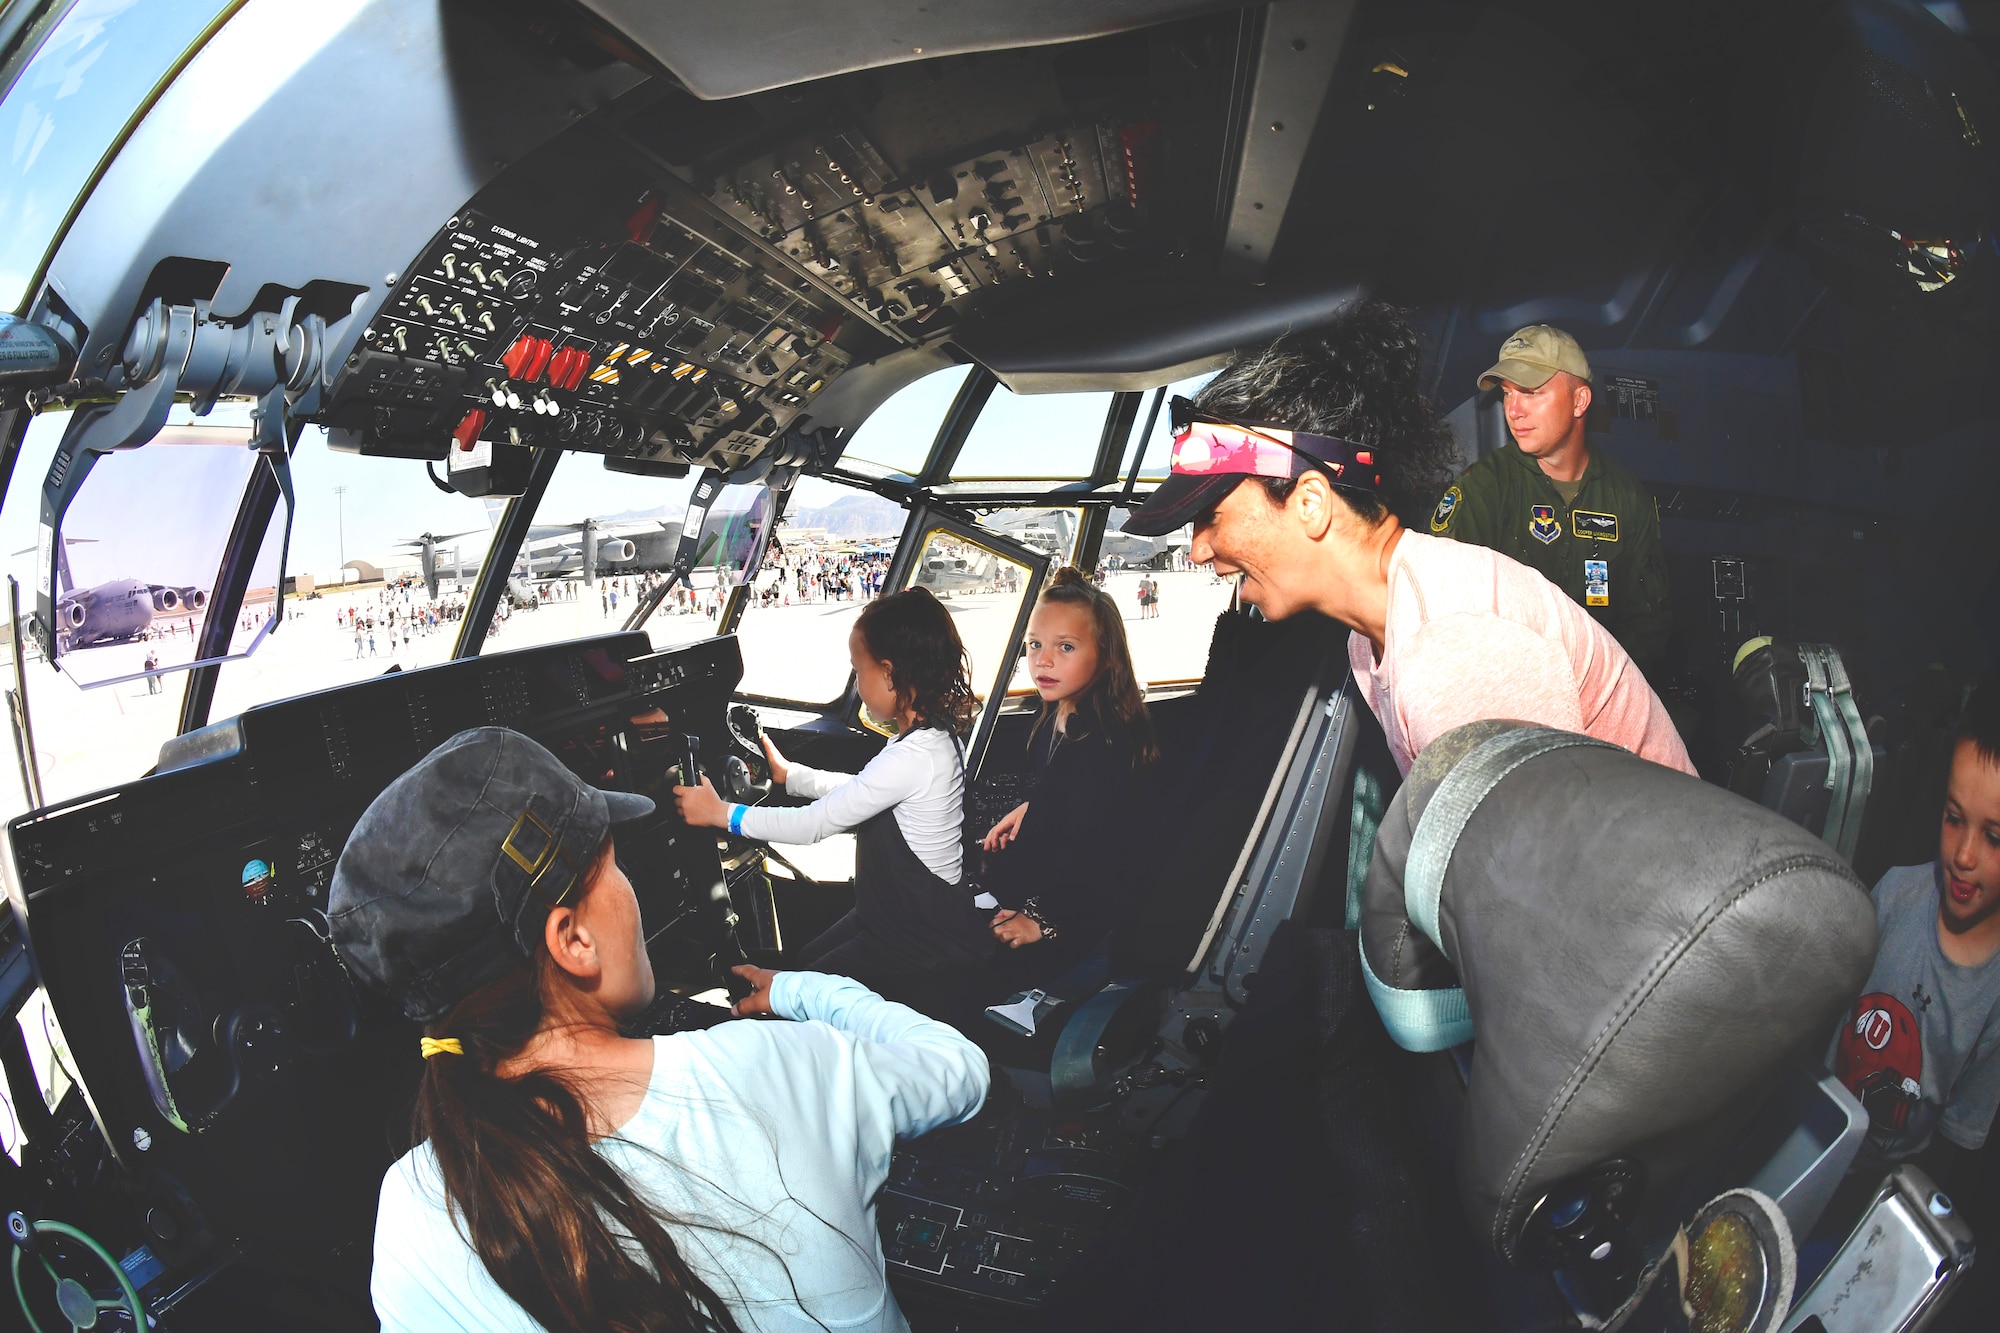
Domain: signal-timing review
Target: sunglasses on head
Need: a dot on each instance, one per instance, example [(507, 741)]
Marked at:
[(1209, 444)]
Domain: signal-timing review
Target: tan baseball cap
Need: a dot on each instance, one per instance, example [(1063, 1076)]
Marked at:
[(1535, 353)]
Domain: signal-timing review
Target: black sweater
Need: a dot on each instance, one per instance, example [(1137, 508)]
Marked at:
[(1080, 831)]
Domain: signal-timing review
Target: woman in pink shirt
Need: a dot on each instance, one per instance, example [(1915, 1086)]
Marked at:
[(1336, 436)]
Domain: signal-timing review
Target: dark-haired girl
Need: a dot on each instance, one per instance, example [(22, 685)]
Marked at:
[(568, 1177), (914, 920), (1054, 872)]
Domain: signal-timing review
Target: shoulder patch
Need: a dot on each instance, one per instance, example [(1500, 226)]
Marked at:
[(1542, 525), (1594, 525), (1447, 506)]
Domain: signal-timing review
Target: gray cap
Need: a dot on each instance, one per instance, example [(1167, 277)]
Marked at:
[(447, 878)]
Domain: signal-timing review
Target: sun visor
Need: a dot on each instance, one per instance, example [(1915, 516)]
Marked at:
[(1135, 335), (727, 50), (135, 544)]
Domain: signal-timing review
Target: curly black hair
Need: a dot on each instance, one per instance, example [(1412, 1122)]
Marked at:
[(928, 664), (1355, 377)]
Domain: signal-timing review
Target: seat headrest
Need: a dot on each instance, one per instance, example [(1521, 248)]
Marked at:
[(1640, 954)]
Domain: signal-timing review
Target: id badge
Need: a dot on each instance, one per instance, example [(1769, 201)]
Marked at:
[(1597, 583)]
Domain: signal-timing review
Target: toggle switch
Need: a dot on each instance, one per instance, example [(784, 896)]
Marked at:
[(469, 427), (567, 367)]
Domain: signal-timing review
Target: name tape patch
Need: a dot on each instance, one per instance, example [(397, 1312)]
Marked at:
[(1594, 526)]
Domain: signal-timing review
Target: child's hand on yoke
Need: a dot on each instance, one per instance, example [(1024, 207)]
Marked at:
[(700, 807), (781, 768)]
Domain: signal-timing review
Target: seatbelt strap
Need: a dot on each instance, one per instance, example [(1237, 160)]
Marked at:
[(1364, 822), (1850, 755), (1470, 781), (1862, 750), (1419, 1020)]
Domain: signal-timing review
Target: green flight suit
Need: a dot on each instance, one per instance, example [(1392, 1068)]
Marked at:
[(1506, 502)]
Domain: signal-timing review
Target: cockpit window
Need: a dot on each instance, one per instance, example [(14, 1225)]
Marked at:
[(599, 541), (143, 542), (68, 107), (131, 571), (1051, 436), (829, 557), (371, 539), (899, 434)]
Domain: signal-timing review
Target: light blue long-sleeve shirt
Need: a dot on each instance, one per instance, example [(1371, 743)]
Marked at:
[(770, 1140)]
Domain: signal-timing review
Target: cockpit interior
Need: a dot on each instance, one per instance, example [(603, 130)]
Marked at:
[(649, 339)]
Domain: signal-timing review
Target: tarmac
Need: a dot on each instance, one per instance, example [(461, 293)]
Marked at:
[(89, 739)]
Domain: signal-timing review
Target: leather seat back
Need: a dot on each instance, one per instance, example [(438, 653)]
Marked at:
[(1640, 953)]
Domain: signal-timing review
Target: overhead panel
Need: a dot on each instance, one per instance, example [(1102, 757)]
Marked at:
[(1301, 45), (903, 248)]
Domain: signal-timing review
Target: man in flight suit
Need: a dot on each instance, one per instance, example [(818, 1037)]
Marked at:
[(1589, 526)]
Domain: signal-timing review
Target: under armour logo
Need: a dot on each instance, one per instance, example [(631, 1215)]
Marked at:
[(1923, 1000)]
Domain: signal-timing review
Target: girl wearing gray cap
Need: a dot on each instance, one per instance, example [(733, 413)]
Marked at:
[(572, 1178)]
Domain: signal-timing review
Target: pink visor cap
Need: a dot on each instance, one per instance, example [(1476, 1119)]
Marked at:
[(1211, 456)]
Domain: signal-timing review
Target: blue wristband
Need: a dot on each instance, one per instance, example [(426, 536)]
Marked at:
[(736, 819)]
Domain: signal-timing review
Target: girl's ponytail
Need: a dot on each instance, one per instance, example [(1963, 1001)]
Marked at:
[(543, 1210)]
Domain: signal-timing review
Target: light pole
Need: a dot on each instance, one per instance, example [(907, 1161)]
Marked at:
[(340, 501)]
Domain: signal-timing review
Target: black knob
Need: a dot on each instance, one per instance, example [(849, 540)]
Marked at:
[(22, 1233)]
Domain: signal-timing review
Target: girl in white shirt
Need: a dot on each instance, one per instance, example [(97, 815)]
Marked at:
[(914, 923)]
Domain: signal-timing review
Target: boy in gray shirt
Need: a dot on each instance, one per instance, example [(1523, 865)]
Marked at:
[(1921, 1047)]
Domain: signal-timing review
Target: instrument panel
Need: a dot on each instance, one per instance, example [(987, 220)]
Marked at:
[(179, 922), (663, 349), (623, 294)]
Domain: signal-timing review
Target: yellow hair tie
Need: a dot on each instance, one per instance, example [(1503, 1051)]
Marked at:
[(448, 1046)]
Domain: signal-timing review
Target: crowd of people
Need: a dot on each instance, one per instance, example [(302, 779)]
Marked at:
[(572, 1176), (396, 617), (808, 577)]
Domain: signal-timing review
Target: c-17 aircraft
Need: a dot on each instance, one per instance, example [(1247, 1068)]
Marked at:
[(117, 610), (1494, 1040)]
